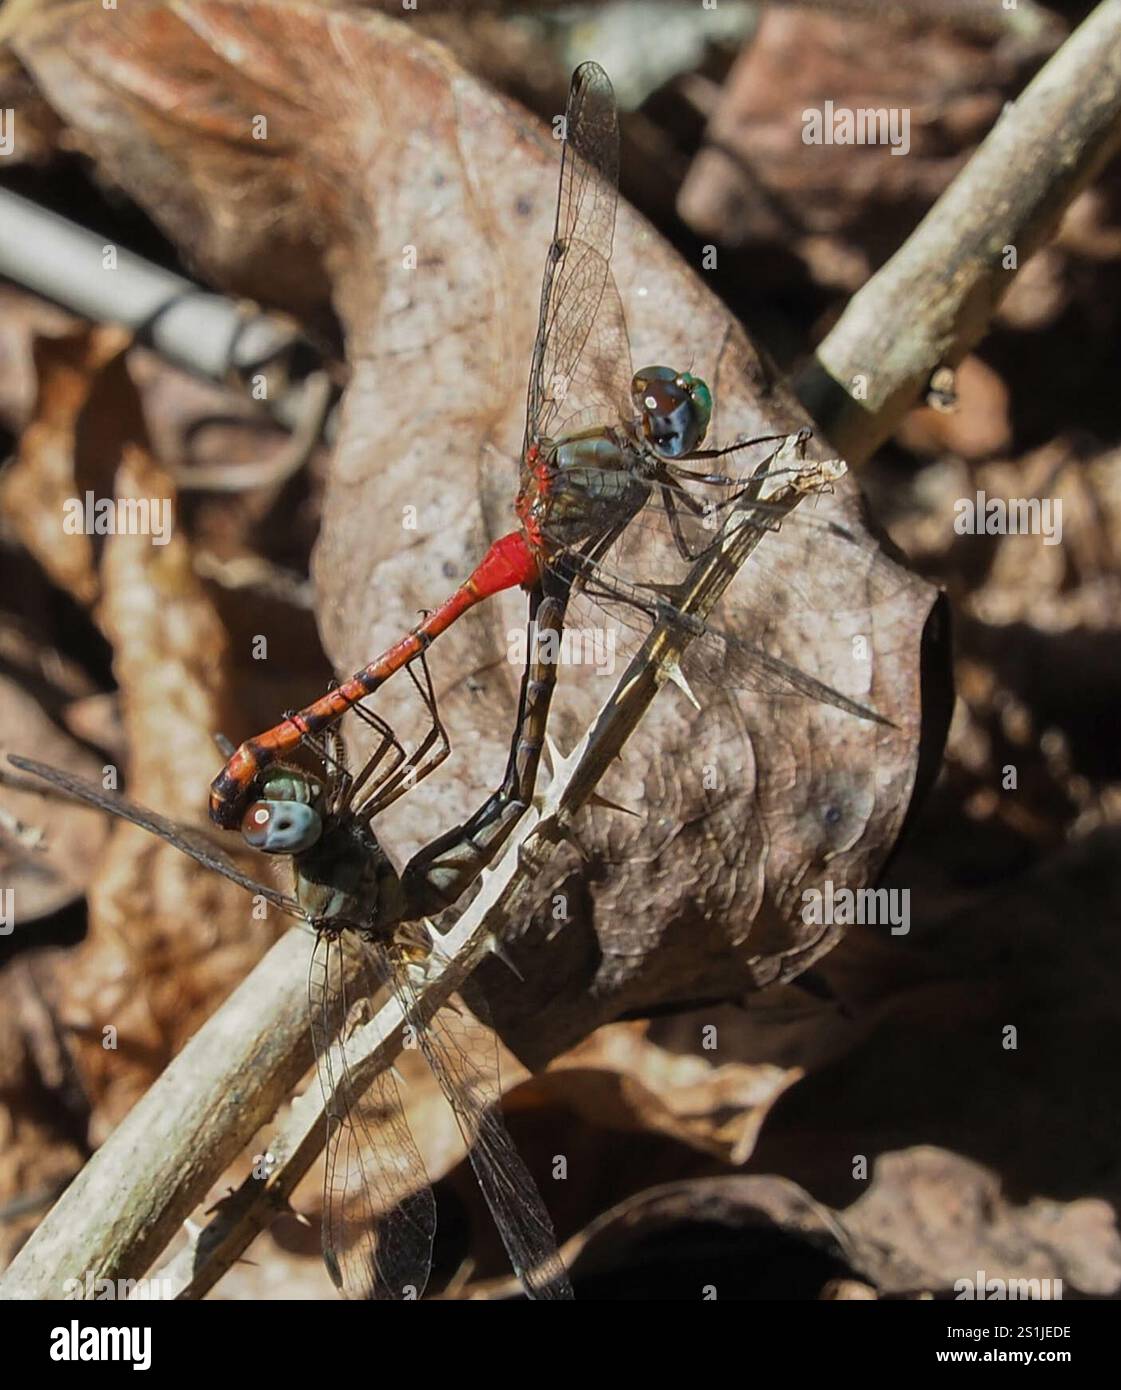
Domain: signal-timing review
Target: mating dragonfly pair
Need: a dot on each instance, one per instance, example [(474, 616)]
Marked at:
[(612, 470)]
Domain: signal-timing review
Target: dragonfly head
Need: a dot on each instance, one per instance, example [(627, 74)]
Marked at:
[(675, 407), (285, 819)]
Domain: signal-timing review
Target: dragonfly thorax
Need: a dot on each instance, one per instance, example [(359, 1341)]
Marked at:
[(675, 409), (347, 875), (585, 485)]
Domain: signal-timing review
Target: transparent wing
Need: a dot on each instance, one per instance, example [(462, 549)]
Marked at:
[(785, 569), (379, 1215), (581, 371), (463, 1054), (718, 658), (185, 838), (713, 657)]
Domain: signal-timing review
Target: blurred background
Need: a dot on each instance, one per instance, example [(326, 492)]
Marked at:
[(744, 1172)]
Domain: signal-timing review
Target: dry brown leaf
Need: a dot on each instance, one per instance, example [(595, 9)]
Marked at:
[(930, 1218), (43, 478), (47, 849), (933, 1067), (23, 318), (977, 427), (387, 146), (40, 1151), (167, 939), (622, 1079), (724, 1238), (842, 206)]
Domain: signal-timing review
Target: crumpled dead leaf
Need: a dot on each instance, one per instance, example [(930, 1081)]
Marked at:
[(843, 207), (697, 897), (167, 939), (931, 1218), (47, 851), (724, 1238), (941, 1099)]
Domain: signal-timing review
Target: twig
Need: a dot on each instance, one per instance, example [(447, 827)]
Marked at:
[(373, 1048), (207, 334), (933, 300)]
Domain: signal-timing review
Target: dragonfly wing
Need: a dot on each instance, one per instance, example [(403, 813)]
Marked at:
[(379, 1215), (462, 1052), (581, 357), (195, 843), (734, 662), (713, 657)]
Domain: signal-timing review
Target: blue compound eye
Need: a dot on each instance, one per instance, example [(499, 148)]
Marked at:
[(281, 827), (676, 408)]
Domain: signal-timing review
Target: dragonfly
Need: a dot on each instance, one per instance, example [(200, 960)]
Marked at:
[(608, 473), (379, 1217)]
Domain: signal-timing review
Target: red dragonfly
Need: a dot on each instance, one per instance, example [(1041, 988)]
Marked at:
[(603, 451), (379, 1215)]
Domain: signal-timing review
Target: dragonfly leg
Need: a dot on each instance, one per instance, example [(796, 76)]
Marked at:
[(747, 492), (672, 498), (801, 439), (333, 753), (328, 748), (436, 876), (697, 508), (389, 746), (422, 760)]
